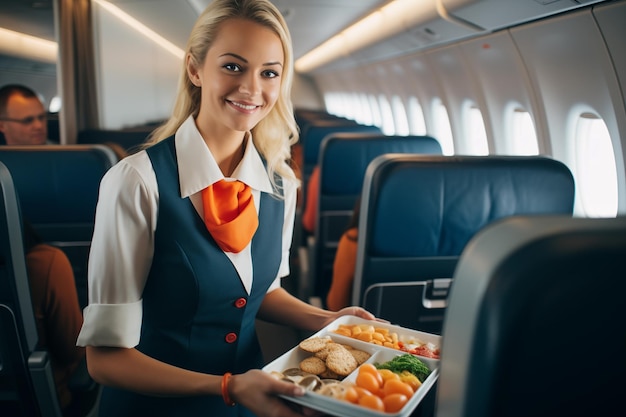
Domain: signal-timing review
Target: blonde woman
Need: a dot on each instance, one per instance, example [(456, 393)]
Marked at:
[(193, 234)]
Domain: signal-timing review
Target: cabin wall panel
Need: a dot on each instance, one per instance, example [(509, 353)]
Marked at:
[(305, 94), (424, 83), (572, 73), (43, 81), (502, 79), (136, 79), (458, 86), (611, 19)]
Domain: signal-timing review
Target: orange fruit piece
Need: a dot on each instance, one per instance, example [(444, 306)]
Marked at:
[(368, 381), (371, 369), (394, 402), (351, 395), (373, 402), (395, 386)]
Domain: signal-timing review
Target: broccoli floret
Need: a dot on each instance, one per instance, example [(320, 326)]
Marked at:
[(406, 362)]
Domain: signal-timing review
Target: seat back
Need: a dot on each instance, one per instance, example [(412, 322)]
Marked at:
[(130, 140), (315, 133), (344, 158), (57, 186), (26, 384), (418, 213), (536, 321)]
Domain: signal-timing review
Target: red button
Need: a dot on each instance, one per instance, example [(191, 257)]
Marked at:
[(231, 337), (241, 302)]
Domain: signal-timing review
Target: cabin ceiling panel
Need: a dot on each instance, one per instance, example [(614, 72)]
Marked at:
[(304, 16), (30, 17), (172, 19)]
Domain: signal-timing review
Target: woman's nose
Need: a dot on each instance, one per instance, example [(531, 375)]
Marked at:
[(250, 84)]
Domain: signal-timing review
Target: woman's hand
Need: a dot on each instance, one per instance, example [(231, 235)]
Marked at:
[(258, 391), (352, 311)]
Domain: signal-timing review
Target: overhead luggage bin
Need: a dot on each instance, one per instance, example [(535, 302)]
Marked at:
[(498, 14)]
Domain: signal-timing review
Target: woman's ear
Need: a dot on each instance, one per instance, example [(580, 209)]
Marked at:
[(192, 71)]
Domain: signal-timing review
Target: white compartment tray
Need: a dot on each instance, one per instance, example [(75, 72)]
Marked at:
[(379, 354)]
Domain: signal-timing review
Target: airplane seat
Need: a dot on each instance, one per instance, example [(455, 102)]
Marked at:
[(130, 140), (58, 190), (27, 386), (305, 117), (535, 321), (54, 127), (315, 133), (344, 157), (418, 213)]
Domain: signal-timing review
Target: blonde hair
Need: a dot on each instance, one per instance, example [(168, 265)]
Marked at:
[(272, 136)]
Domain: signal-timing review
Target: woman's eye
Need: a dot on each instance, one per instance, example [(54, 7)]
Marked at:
[(233, 67), (270, 74)]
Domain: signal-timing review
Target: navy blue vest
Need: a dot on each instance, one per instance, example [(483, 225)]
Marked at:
[(196, 312)]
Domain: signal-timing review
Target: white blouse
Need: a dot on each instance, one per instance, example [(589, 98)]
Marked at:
[(123, 241)]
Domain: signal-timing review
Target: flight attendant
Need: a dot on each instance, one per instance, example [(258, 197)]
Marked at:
[(192, 235)]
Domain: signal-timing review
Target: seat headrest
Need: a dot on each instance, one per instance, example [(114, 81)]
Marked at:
[(432, 205)]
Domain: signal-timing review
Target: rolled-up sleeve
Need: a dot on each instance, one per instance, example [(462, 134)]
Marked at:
[(121, 254), (116, 325)]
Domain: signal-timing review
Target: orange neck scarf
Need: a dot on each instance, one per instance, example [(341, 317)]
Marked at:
[(229, 214)]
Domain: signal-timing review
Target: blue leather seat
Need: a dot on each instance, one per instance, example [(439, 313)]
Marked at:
[(26, 384), (344, 158), (57, 186), (306, 117), (536, 321), (315, 133), (130, 140), (419, 212)]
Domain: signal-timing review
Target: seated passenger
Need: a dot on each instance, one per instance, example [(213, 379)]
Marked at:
[(23, 117), (57, 312), (310, 209), (340, 293)]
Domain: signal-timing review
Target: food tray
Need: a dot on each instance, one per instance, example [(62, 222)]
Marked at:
[(337, 407), (405, 335)]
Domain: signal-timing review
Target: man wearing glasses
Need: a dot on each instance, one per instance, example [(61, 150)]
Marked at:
[(22, 116)]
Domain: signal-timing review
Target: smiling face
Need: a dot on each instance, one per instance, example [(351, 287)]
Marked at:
[(240, 77)]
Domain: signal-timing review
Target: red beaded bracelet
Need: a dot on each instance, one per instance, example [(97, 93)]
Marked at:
[(225, 396)]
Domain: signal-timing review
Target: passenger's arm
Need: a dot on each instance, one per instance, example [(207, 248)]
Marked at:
[(64, 316), (309, 216), (339, 295)]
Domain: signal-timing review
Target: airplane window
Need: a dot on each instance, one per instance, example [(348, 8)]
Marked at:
[(523, 134), (443, 131), (350, 106), (477, 143), (417, 124), (388, 126), (331, 102), (597, 172), (345, 105), (365, 110), (376, 113), (399, 116)]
